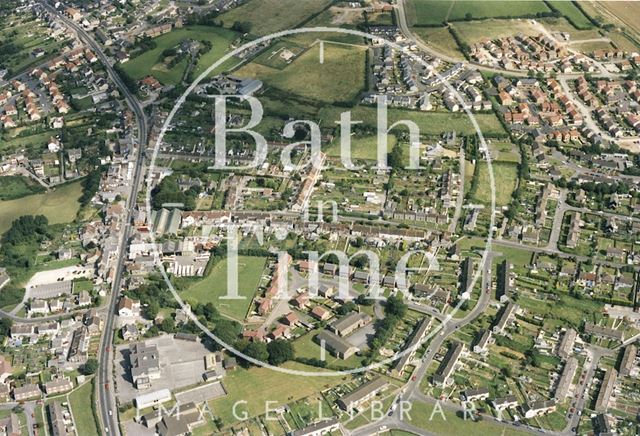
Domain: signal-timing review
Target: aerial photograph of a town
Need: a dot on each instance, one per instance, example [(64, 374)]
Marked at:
[(319, 217)]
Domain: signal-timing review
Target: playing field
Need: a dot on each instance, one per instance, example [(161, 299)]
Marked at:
[(430, 123), (268, 16), (214, 286), (429, 12), (505, 175), (59, 206), (150, 62), (257, 386), (339, 78)]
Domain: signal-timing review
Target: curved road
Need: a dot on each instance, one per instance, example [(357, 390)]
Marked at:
[(106, 396)]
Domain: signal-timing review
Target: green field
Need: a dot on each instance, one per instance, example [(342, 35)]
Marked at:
[(82, 408), (362, 147), (12, 187), (572, 13), (59, 206), (440, 39), (272, 58), (430, 123), (340, 78), (429, 12), (268, 16), (259, 385), (452, 424), (505, 175), (307, 348), (150, 62), (214, 286)]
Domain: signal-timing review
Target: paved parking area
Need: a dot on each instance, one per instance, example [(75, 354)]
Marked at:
[(181, 365), (54, 275)]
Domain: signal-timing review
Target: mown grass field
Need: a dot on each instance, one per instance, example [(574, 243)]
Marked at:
[(214, 286), (81, 407), (428, 12), (430, 123), (59, 206), (340, 78), (268, 16), (506, 177), (256, 386), (150, 62)]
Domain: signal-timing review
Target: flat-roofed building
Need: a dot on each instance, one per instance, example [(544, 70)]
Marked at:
[(153, 398), (349, 323), (566, 378), (448, 364), (606, 389), (363, 393), (144, 361), (565, 348), (335, 344)]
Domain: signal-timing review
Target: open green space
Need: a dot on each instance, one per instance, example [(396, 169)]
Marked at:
[(572, 13), (422, 415), (256, 386), (280, 54), (151, 61), (13, 187), (59, 206), (505, 176), (430, 123), (429, 12), (440, 39), (340, 78), (214, 286), (362, 147), (268, 16), (81, 403)]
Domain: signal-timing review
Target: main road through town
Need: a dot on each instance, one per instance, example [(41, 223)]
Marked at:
[(106, 395)]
